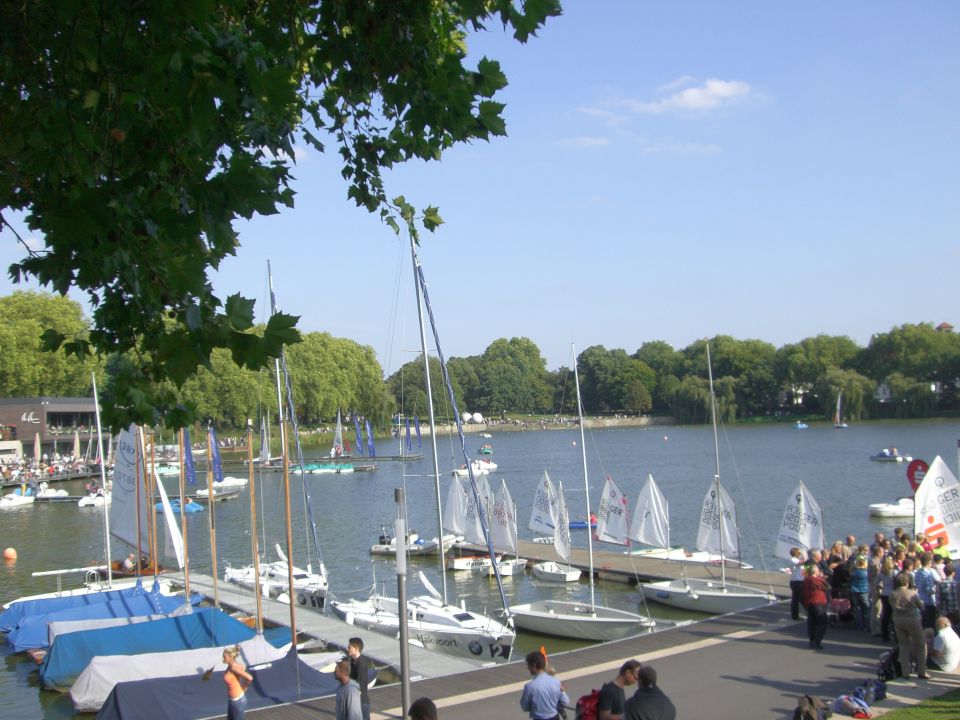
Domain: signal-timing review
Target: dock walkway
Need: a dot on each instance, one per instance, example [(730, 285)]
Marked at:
[(744, 666), (384, 650)]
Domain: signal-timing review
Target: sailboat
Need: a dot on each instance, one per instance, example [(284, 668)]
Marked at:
[(503, 532), (575, 619), (837, 416), (717, 533), (338, 449), (802, 524), (309, 588), (550, 517), (431, 621)]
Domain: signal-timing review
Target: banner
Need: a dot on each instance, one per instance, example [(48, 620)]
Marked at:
[(936, 506), (718, 525)]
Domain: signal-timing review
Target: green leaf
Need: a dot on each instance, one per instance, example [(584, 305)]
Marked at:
[(91, 99), (432, 219), (239, 312), (51, 340)]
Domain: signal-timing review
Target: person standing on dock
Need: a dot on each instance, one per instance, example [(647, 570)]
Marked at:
[(542, 696), (348, 694), (816, 595), (613, 697), (359, 671), (649, 702)]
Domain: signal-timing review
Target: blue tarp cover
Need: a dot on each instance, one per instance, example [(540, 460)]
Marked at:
[(32, 630), (12, 616), (71, 653), (183, 698)]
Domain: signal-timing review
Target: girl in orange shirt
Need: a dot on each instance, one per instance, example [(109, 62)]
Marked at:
[(237, 680)]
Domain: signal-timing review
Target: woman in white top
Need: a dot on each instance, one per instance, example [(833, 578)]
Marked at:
[(796, 581)]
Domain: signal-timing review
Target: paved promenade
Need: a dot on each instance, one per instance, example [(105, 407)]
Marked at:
[(752, 665)]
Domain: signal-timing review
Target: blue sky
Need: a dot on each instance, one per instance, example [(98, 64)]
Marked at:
[(672, 171)]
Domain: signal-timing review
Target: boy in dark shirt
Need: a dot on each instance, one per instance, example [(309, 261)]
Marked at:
[(613, 698)]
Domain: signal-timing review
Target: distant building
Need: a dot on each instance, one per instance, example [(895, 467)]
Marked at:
[(882, 393), (54, 419), (944, 327)]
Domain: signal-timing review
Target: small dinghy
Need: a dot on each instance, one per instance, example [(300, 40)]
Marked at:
[(903, 507)]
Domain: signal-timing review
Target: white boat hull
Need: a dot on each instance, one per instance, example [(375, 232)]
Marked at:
[(471, 563), (12, 501), (442, 628), (578, 620), (902, 508), (309, 589), (706, 596), (681, 555), (509, 567), (555, 572)]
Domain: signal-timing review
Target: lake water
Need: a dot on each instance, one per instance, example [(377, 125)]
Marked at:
[(760, 466)]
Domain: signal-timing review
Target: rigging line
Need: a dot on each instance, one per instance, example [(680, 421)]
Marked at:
[(481, 510), (749, 512)]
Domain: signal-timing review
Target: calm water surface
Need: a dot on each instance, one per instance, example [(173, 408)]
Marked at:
[(759, 465)]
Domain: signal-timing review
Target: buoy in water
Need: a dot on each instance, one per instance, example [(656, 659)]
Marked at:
[(10, 554)]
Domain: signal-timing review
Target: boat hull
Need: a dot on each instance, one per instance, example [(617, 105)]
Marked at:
[(489, 642), (902, 508), (578, 620), (706, 596), (553, 572)]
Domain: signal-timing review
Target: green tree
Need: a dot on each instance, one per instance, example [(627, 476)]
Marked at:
[(409, 391), (612, 381), (136, 133), (512, 376), (800, 367), (25, 369), (664, 361)]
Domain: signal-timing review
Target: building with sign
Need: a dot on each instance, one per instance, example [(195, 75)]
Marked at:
[(49, 422)]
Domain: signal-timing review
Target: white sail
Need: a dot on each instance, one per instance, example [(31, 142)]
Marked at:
[(936, 506), (503, 521), (651, 517), (173, 540), (561, 532), (543, 518), (473, 528), (613, 525), (127, 476), (455, 508), (802, 524), (718, 534)]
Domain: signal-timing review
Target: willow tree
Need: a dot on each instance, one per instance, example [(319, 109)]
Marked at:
[(136, 133)]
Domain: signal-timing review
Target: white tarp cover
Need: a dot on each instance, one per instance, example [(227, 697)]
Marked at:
[(936, 506), (69, 626), (718, 524), (802, 524), (503, 522), (613, 525), (94, 684), (651, 517)]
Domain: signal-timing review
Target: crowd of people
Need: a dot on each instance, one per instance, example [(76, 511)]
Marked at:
[(901, 589), (16, 469)]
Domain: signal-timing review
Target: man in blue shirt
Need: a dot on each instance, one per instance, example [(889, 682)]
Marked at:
[(926, 581), (543, 695)]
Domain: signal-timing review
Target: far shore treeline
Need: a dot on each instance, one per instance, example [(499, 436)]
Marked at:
[(911, 371)]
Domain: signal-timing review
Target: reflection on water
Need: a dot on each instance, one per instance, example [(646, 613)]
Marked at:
[(760, 466)]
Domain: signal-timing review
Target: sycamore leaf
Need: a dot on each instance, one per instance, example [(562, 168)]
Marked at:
[(51, 340), (239, 311), (432, 219)]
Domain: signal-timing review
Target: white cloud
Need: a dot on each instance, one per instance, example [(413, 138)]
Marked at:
[(670, 147), (608, 116), (711, 95), (585, 141), (680, 82)]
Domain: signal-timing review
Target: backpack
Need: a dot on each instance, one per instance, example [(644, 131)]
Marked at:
[(871, 691), (889, 667), (811, 708), (852, 706), (587, 706)]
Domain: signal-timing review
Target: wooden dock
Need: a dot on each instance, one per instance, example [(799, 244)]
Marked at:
[(633, 569)]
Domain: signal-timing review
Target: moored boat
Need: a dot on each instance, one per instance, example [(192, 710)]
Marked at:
[(903, 507), (890, 455)]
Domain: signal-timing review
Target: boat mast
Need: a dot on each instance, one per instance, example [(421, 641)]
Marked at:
[(276, 364), (586, 481), (255, 551), (716, 475), (183, 515), (211, 515), (103, 483), (433, 425)]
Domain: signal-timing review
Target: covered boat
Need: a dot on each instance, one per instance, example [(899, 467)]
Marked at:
[(186, 697), (26, 607), (70, 654), (903, 507)]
